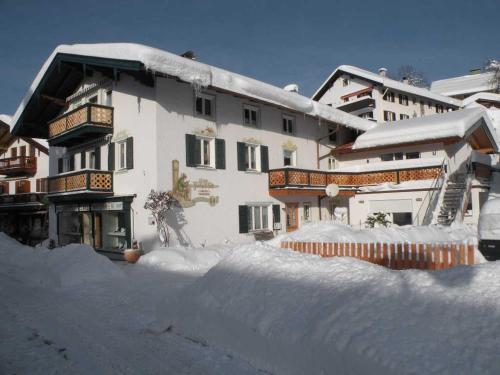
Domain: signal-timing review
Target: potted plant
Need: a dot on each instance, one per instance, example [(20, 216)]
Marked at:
[(132, 255)]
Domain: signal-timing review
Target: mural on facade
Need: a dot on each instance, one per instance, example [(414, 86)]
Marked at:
[(189, 193)]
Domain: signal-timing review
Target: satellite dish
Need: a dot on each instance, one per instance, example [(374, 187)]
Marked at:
[(332, 190)]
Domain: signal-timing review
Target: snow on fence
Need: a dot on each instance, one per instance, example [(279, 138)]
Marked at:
[(398, 256)]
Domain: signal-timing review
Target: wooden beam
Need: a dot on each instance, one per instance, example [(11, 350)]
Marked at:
[(59, 102)]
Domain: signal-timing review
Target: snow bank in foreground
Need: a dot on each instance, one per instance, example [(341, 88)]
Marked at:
[(291, 313), (182, 259), (66, 266)]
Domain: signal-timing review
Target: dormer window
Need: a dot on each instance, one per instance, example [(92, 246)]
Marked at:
[(345, 82)]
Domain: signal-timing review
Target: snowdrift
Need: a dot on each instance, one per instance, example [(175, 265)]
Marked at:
[(67, 266), (291, 313)]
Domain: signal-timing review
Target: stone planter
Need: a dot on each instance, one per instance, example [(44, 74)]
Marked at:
[(132, 255)]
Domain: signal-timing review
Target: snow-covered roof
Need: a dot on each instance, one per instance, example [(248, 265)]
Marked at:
[(481, 96), (6, 119), (391, 165), (467, 84), (386, 82), (456, 124), (199, 75)]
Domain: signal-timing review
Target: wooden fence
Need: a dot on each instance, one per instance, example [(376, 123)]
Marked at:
[(397, 256)]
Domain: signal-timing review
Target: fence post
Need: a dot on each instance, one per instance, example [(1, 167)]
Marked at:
[(428, 258), (446, 263), (421, 254), (462, 253), (413, 251), (399, 256), (453, 254), (406, 252), (470, 254), (439, 250)]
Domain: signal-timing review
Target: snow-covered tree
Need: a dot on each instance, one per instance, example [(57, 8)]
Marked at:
[(377, 219), (493, 66), (160, 203), (412, 76)]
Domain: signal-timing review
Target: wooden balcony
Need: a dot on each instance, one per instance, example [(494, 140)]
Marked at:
[(80, 125), (86, 182), (19, 165), (288, 181)]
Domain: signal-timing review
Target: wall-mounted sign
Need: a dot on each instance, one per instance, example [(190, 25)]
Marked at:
[(188, 193)]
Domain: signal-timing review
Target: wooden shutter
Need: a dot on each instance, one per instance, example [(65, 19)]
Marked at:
[(241, 156), (13, 152), (82, 160), (193, 151), (38, 185), (60, 163), (97, 157), (32, 150), (111, 156), (276, 213), (220, 154), (22, 150), (130, 153), (243, 218), (264, 159)]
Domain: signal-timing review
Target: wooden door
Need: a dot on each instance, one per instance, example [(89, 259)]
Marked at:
[(292, 216)]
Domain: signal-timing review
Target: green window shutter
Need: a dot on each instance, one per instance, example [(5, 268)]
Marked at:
[(82, 160), (193, 151), (97, 153), (276, 213), (220, 154), (264, 159), (130, 153), (60, 165), (241, 156), (243, 218), (111, 156)]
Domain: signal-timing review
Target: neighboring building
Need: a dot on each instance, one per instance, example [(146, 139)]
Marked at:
[(24, 169), (379, 98), (464, 86)]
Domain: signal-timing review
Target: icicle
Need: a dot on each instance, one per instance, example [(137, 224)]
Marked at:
[(198, 85)]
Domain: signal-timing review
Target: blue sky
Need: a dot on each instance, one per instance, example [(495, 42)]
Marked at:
[(279, 42)]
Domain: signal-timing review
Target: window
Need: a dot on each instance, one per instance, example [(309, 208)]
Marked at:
[(345, 82), (288, 124), (366, 115), (108, 101), (258, 217), (250, 115), (414, 100), (389, 96), (402, 218), (251, 157), (331, 163), (93, 99), (122, 155), (332, 134), (403, 99), (307, 211), (389, 116), (412, 155), (204, 105), (439, 108), (403, 117), (91, 159), (429, 104), (68, 164), (207, 152), (289, 158)]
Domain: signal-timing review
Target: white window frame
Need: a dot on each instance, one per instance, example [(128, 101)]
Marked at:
[(205, 97), (248, 157), (250, 108), (66, 163), (89, 159), (403, 116), (392, 116), (293, 157), (263, 210), (288, 120), (331, 163), (211, 144), (122, 164)]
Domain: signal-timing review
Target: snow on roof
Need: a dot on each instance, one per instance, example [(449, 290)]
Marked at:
[(390, 83), (427, 128), (5, 119), (200, 75), (391, 165), (485, 96), (467, 84)]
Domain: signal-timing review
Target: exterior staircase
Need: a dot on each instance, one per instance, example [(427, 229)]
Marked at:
[(453, 198)]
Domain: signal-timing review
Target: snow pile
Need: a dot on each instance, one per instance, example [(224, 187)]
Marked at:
[(5, 118), (467, 84), (291, 313), (66, 266), (489, 217), (182, 259), (330, 231), (433, 127), (392, 165), (199, 75), (389, 186)]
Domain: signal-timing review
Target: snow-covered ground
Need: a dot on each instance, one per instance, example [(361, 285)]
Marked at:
[(242, 309)]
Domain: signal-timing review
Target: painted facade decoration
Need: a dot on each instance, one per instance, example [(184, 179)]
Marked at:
[(189, 193)]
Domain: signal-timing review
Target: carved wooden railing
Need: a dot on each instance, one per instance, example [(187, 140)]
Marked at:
[(300, 178), (18, 164), (91, 114), (82, 181)]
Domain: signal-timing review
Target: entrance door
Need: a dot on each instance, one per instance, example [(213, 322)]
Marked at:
[(292, 213), (88, 238)]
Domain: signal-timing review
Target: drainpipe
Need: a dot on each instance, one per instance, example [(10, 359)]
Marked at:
[(319, 206)]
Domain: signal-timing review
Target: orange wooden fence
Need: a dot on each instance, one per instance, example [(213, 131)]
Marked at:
[(398, 256)]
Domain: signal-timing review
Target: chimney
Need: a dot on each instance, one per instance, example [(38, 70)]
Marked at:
[(475, 71), (406, 80), (382, 72), (189, 55), (291, 88)]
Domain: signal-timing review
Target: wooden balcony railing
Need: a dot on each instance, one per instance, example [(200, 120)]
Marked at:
[(89, 120), (82, 181), (302, 178), (18, 165)]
